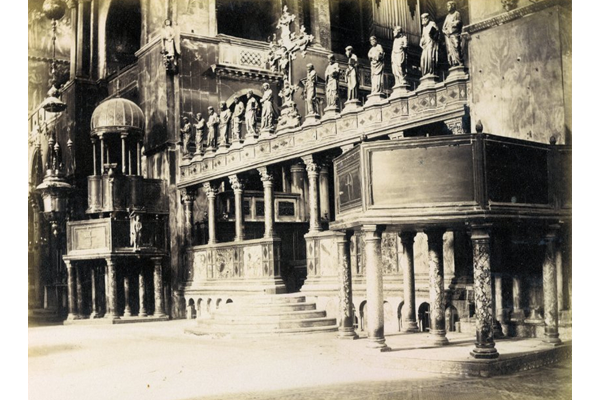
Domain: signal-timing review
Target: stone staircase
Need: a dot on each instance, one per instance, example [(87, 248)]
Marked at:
[(265, 315)]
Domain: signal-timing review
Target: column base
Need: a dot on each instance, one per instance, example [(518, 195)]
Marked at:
[(375, 98), (142, 313), (498, 334), (551, 339), (438, 338), (486, 353), (72, 317), (351, 105), (347, 333), (427, 82), (378, 344), (127, 312), (93, 315), (411, 327), (110, 316), (159, 315)]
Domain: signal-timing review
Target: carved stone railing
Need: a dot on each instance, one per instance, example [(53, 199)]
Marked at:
[(251, 266), (444, 103)]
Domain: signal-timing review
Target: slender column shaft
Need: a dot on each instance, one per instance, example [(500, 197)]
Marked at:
[(324, 194), (79, 294), (123, 150), (94, 313), (127, 312), (73, 9), (297, 186), (312, 169), (71, 290), (211, 193), (188, 197), (436, 286), (129, 167), (94, 157), (407, 261), (374, 287), (559, 276), (139, 158), (238, 193), (142, 293), (482, 280), (550, 289), (80, 38), (101, 154), (346, 327), (267, 180), (158, 288), (112, 290), (498, 312)]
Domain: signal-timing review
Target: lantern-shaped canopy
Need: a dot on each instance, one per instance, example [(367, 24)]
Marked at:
[(117, 115)]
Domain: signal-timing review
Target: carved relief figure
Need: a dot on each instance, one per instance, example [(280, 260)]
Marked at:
[(332, 74), (213, 123), (268, 113), (200, 128), (399, 56), (186, 135), (238, 119), (376, 55), (225, 118), (312, 105), (251, 110), (429, 44), (352, 74), (452, 29)]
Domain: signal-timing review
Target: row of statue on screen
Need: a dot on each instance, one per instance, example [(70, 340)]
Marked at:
[(220, 130)]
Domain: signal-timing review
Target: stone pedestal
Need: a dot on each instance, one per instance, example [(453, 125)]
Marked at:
[(482, 282), (407, 263), (346, 325), (311, 119), (427, 82), (436, 287), (550, 289), (400, 90), (331, 112), (456, 73), (372, 237), (351, 105), (375, 98)]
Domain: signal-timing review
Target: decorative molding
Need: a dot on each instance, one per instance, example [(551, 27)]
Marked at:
[(510, 16)]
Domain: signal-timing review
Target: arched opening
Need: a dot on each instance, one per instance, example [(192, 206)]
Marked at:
[(390, 323), (362, 312), (423, 316), (452, 319), (248, 19), (123, 34), (229, 301), (400, 316), (218, 304), (208, 307), (191, 310), (199, 306)]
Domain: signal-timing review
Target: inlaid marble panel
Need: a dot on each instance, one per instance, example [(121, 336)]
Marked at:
[(252, 261), (328, 260), (200, 265), (389, 252)]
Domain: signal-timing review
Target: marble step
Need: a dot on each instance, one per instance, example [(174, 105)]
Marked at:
[(222, 316), (292, 331), (212, 325), (275, 299), (265, 309)]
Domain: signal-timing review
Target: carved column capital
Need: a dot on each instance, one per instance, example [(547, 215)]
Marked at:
[(311, 166), (407, 238), (188, 195), (72, 3), (237, 184), (265, 175), (210, 190)]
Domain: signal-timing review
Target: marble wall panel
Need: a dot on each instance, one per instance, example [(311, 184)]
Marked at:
[(328, 260), (252, 261), (223, 262), (200, 265), (389, 252)]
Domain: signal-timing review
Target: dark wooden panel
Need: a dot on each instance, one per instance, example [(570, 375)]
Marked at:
[(516, 174), (421, 175), (348, 182)]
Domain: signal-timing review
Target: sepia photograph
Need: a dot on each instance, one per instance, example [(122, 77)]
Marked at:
[(300, 199)]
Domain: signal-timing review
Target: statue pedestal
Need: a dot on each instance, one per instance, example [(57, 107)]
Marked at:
[(290, 118), (209, 150), (236, 144), (265, 133), (456, 73), (399, 90), (351, 105), (427, 82), (311, 119), (375, 98), (331, 112)]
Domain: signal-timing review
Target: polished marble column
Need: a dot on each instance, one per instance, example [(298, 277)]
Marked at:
[(142, 293), (550, 288), (79, 292), (437, 312), (238, 193), (517, 313), (111, 297), (267, 179), (94, 313), (71, 290), (346, 327), (188, 196), (297, 186), (324, 194), (158, 288), (312, 170), (407, 262), (211, 194), (127, 312)]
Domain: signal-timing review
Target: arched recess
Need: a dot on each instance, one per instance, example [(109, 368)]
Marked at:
[(451, 318), (120, 28), (423, 316), (400, 315)]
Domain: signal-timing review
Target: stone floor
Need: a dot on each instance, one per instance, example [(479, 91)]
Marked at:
[(158, 361)]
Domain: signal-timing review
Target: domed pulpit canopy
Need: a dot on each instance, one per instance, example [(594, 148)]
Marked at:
[(117, 115)]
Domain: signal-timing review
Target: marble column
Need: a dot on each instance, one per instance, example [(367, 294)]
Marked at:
[(102, 155), (324, 194), (72, 5), (346, 327), (321, 23), (127, 312), (407, 261), (437, 312), (482, 282), (297, 186), (158, 288), (111, 272), (312, 169), (123, 152), (139, 157), (71, 290), (94, 161), (499, 322), (142, 293), (188, 196), (238, 193), (211, 194), (79, 293), (550, 288), (267, 180), (517, 313), (94, 313), (81, 33), (374, 274)]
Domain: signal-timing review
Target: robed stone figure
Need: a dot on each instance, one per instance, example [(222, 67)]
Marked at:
[(332, 73), (310, 87), (376, 55), (200, 128), (399, 56), (238, 119), (213, 123), (429, 44), (452, 29), (268, 112), (251, 110), (352, 74), (224, 124)]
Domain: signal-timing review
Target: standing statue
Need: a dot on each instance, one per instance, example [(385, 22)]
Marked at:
[(213, 123), (186, 135), (238, 119), (452, 29), (268, 112), (135, 230), (429, 44), (251, 110), (224, 118), (376, 55), (170, 46), (200, 127), (312, 106), (399, 49), (332, 74), (352, 74)]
